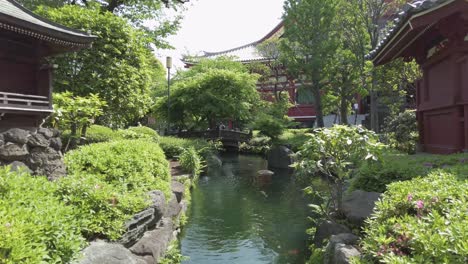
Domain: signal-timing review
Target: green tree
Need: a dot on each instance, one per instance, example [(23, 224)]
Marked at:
[(310, 42), (276, 76), (119, 67), (76, 113), (348, 69), (139, 12), (212, 91), (333, 153)]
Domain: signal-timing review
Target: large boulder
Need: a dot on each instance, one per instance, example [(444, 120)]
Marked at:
[(48, 133), (152, 246), (106, 253), (145, 220), (13, 152), (17, 135), (326, 229), (56, 143), (47, 161), (280, 157), (19, 166), (178, 189), (340, 249), (137, 226), (359, 205), (158, 203), (38, 140), (174, 207)]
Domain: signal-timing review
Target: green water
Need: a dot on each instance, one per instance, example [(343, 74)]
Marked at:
[(234, 220)]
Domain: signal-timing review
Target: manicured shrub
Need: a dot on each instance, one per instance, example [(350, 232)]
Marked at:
[(96, 134), (400, 167), (101, 208), (108, 183), (133, 164), (401, 131), (35, 225), (139, 132), (269, 125), (420, 221)]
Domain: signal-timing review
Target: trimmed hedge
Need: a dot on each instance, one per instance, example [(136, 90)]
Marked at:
[(420, 221), (130, 164)]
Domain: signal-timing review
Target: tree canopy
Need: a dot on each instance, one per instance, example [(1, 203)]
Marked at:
[(309, 53), (210, 92), (146, 15), (120, 67)]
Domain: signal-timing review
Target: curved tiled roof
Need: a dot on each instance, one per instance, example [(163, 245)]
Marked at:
[(15, 17), (408, 11), (245, 53)]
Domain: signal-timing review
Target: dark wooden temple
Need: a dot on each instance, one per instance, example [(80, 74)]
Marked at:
[(435, 34), (26, 40)]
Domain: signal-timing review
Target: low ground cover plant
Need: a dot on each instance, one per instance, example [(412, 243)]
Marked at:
[(395, 166), (420, 221), (35, 225)]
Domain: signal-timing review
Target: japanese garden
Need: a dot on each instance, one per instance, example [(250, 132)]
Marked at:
[(340, 136)]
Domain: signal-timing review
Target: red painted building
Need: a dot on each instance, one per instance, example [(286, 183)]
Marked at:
[(303, 110), (435, 33), (26, 40)]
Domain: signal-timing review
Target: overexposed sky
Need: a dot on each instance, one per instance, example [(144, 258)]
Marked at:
[(216, 25)]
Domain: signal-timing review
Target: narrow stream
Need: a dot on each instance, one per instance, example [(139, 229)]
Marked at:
[(234, 220)]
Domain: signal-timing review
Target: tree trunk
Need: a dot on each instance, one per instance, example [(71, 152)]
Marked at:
[(344, 110), (84, 129), (318, 103)]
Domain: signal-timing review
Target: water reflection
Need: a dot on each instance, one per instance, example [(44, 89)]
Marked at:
[(232, 220)]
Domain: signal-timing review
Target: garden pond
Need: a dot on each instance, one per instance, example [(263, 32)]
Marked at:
[(234, 219)]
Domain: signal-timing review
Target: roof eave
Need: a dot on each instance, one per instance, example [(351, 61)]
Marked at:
[(379, 55)]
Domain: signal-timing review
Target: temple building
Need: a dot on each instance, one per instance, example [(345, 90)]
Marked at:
[(435, 34), (303, 110), (26, 41)]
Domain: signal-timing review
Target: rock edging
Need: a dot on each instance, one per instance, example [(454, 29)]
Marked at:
[(37, 150), (341, 247), (148, 235)]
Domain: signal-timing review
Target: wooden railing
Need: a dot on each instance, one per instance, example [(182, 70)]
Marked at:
[(26, 102)]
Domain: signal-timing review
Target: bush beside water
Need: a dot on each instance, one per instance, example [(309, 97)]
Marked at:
[(420, 221)]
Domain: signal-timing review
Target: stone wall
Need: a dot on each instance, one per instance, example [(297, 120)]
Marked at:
[(36, 149)]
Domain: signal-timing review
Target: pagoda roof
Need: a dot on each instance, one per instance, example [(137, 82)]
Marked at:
[(16, 18), (408, 26), (245, 54)]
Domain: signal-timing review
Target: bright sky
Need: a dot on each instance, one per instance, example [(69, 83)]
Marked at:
[(216, 25)]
